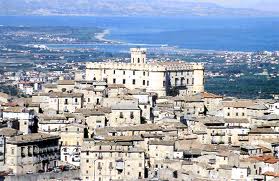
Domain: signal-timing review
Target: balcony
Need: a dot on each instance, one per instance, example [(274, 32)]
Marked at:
[(243, 138), (75, 103), (217, 142), (76, 159), (76, 153), (212, 161), (218, 134), (177, 108), (36, 151)]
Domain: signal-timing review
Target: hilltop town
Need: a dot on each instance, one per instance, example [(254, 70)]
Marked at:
[(138, 120)]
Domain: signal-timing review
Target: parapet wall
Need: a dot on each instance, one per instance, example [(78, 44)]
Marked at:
[(153, 66)]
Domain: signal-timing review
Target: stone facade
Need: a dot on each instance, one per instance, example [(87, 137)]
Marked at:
[(160, 77)]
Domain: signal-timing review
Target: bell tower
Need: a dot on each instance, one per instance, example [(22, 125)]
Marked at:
[(138, 55)]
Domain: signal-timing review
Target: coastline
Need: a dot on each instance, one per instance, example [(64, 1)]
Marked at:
[(101, 36)]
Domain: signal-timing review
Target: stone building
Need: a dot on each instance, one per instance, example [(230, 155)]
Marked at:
[(160, 77), (105, 161), (32, 152)]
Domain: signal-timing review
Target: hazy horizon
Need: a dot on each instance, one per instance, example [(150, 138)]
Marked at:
[(265, 5), (197, 7)]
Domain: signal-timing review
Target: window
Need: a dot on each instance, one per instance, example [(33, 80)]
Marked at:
[(143, 82), (182, 81), (114, 72), (143, 73), (104, 71), (114, 81), (134, 81), (124, 81), (66, 101), (193, 80), (87, 160), (134, 72), (243, 114), (175, 174), (132, 115), (87, 153), (123, 72), (88, 100), (138, 60), (76, 100), (236, 114), (164, 83), (121, 115), (140, 164), (99, 165), (176, 82), (13, 151), (228, 114), (248, 171), (187, 81), (147, 83)]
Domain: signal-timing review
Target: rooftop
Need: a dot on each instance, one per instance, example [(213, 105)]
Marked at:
[(33, 137), (165, 143), (238, 103), (9, 132), (66, 82)]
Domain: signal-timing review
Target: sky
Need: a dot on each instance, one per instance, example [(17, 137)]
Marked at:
[(266, 5)]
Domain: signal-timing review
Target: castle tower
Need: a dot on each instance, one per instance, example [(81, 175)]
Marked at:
[(138, 55)]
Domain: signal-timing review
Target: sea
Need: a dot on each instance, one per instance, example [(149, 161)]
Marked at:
[(247, 34)]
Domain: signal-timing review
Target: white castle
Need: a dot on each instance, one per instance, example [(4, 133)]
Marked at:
[(163, 78)]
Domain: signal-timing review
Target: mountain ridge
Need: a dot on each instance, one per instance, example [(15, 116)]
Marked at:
[(122, 8)]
